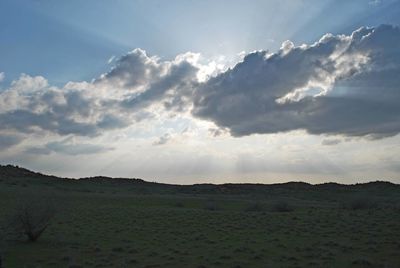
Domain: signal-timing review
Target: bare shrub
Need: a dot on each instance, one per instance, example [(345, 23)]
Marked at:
[(32, 218)]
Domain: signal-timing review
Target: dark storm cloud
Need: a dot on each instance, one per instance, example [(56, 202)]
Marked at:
[(340, 85)]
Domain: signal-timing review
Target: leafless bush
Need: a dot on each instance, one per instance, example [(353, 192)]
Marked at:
[(32, 218)]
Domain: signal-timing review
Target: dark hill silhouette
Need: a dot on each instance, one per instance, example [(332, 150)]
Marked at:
[(10, 171), (18, 175)]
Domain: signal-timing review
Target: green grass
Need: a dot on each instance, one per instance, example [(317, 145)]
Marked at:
[(106, 226)]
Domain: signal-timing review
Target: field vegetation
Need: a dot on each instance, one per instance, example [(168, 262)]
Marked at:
[(104, 222)]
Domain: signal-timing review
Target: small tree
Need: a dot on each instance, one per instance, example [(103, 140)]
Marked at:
[(32, 218)]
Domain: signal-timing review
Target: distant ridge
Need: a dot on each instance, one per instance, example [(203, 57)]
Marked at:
[(13, 171), (16, 171)]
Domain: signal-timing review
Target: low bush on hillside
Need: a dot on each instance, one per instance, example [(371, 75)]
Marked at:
[(211, 205), (255, 207), (179, 204), (281, 206), (359, 203)]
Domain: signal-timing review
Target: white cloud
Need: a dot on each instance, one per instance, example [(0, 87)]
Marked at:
[(339, 85), (346, 85), (163, 139), (111, 59)]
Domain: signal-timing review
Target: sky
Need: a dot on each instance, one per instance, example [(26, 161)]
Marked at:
[(210, 91)]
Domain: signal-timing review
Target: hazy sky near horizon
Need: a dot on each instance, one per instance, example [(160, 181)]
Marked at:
[(186, 91)]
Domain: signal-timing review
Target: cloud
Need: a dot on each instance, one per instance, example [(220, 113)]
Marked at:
[(134, 90), (163, 139), (142, 79), (132, 70), (139, 81), (2, 76), (38, 150), (341, 84), (68, 147), (137, 89), (111, 59), (331, 141), (7, 141), (215, 132), (178, 82), (375, 2), (30, 105)]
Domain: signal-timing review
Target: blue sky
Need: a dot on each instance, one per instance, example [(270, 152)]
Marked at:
[(186, 91)]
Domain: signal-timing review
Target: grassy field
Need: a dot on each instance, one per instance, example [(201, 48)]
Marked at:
[(104, 223)]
